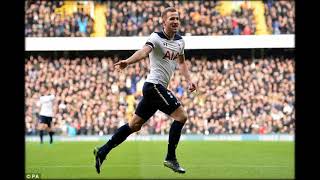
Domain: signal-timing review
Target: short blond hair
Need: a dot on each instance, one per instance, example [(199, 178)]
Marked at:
[(166, 10)]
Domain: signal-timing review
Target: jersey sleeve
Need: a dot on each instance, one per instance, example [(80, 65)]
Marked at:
[(152, 40)]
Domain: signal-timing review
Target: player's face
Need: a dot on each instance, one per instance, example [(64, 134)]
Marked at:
[(172, 22)]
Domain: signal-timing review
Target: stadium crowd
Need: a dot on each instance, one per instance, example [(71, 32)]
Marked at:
[(197, 18), (41, 20), (234, 96), (141, 18), (280, 16)]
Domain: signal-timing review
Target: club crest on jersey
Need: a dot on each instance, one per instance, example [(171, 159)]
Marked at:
[(170, 55)]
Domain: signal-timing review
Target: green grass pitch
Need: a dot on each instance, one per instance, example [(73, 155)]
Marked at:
[(144, 160)]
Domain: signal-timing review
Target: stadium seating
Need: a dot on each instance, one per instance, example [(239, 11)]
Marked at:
[(235, 97), (140, 18)]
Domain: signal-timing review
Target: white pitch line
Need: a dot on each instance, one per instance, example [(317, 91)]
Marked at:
[(154, 165)]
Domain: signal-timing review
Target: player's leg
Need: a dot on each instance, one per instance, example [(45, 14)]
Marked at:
[(50, 129), (118, 137), (121, 134), (145, 109), (143, 112), (42, 127), (180, 117), (173, 108)]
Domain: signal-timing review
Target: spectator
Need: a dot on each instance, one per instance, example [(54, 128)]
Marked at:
[(198, 18), (135, 18), (236, 96), (42, 20), (280, 16)]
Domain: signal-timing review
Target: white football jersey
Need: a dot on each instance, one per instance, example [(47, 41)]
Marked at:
[(163, 57), (46, 103)]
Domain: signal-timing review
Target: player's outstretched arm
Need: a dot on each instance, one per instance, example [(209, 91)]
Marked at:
[(136, 57), (185, 72)]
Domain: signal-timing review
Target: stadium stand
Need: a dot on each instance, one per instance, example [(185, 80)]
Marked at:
[(280, 16), (140, 18), (55, 19), (237, 95)]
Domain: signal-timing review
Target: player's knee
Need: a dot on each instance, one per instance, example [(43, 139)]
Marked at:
[(41, 127), (183, 118), (135, 127), (135, 123)]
